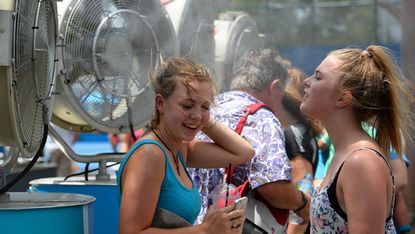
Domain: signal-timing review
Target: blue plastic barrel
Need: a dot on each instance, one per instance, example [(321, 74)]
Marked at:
[(47, 213), (106, 206)]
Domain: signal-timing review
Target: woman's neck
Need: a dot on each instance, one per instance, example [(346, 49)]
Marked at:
[(345, 133), (166, 138)]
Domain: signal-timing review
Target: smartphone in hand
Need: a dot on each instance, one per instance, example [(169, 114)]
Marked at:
[(241, 203)]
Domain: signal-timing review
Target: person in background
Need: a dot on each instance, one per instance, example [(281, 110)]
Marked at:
[(325, 154), (401, 215), (399, 170), (349, 87), (325, 144), (154, 172), (260, 77), (123, 142), (300, 141), (65, 166)]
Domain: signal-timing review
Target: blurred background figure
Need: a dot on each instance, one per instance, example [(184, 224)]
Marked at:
[(53, 154), (401, 215), (123, 142), (325, 154), (399, 167)]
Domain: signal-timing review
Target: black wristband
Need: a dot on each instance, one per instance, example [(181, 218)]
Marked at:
[(305, 201)]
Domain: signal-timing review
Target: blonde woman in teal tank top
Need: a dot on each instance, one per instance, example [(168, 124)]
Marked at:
[(154, 172)]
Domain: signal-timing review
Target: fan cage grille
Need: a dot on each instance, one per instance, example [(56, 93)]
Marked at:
[(34, 55), (109, 49)]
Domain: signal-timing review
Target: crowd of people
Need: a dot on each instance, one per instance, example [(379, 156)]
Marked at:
[(268, 134)]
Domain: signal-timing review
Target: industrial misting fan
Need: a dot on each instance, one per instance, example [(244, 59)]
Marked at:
[(193, 22), (106, 49), (27, 74), (235, 33)]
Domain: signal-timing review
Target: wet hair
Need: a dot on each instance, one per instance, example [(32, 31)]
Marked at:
[(380, 92), (175, 70), (257, 68)]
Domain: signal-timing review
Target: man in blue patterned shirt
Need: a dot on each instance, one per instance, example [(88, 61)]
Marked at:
[(259, 78)]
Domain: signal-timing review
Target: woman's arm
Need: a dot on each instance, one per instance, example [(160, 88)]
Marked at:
[(300, 167), (364, 193), (228, 147), (141, 181), (399, 171)]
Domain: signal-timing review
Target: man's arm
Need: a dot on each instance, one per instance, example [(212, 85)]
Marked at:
[(285, 195), (270, 169)]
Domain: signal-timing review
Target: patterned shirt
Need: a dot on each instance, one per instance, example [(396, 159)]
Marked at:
[(263, 131)]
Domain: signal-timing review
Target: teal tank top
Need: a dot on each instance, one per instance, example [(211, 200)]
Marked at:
[(173, 197)]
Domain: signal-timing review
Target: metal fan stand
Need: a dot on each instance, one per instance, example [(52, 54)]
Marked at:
[(101, 158)]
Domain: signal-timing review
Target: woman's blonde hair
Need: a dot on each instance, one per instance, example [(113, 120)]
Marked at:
[(380, 92), (175, 70)]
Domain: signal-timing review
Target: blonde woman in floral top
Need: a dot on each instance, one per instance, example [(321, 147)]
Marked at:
[(349, 87)]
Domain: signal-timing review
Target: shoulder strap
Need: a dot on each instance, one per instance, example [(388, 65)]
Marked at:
[(131, 151), (331, 191), (248, 110)]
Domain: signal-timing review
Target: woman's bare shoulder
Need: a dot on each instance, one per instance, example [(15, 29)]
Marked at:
[(366, 165), (147, 153)]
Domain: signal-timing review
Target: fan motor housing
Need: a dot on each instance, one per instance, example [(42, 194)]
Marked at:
[(193, 21), (235, 33)]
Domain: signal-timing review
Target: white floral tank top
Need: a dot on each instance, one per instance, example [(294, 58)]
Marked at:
[(326, 215)]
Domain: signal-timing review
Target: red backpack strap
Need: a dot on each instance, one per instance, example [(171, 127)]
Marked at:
[(280, 215), (248, 110)]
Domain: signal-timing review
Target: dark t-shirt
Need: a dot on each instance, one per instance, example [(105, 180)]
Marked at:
[(298, 142)]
